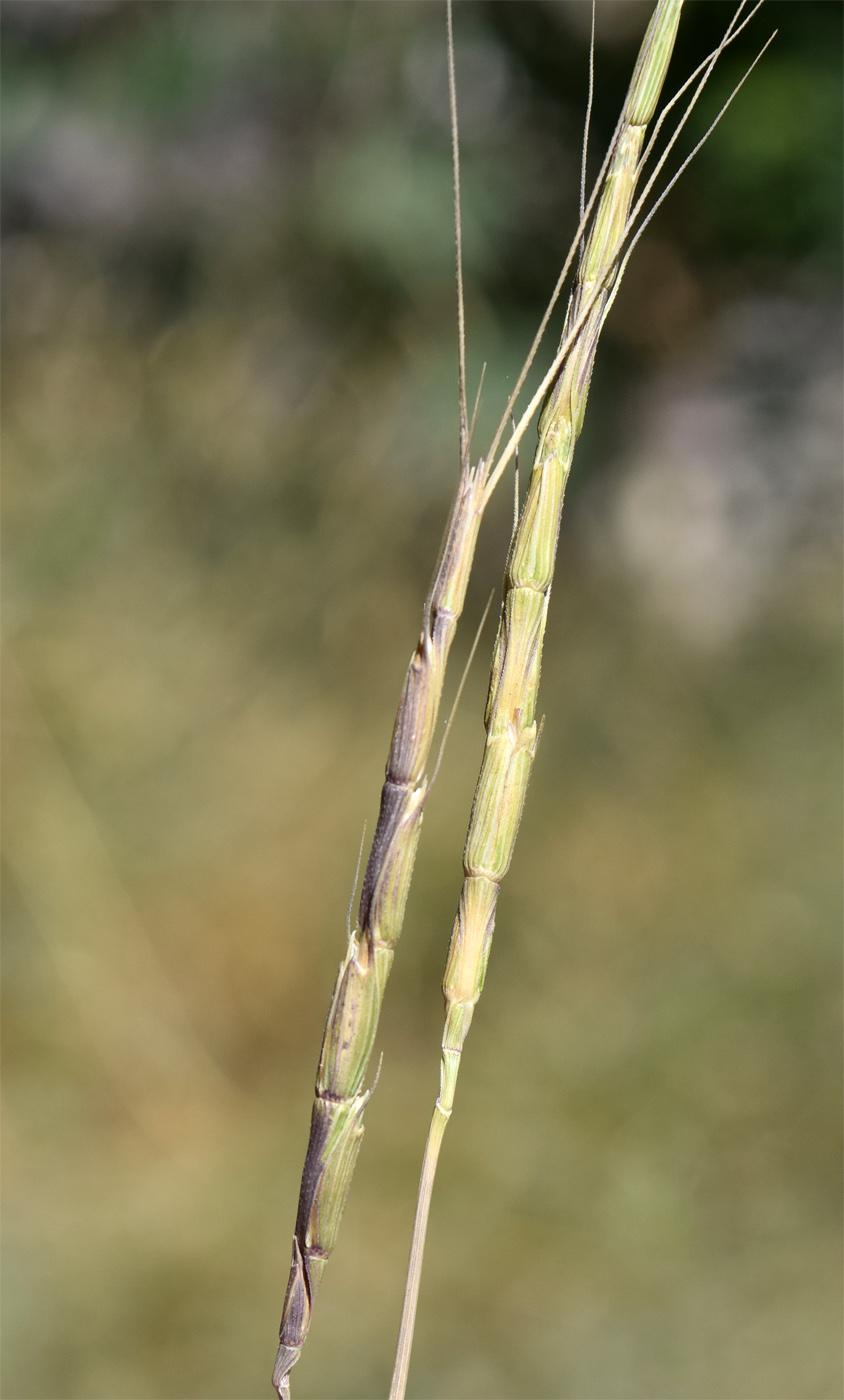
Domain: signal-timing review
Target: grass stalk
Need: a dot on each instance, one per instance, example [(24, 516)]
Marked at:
[(512, 732), (340, 1096)]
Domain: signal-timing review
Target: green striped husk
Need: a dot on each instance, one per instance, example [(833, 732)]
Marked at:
[(340, 1097)]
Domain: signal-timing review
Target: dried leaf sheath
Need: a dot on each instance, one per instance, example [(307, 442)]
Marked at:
[(340, 1098)]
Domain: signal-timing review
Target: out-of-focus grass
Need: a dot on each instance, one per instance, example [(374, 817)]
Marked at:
[(229, 441)]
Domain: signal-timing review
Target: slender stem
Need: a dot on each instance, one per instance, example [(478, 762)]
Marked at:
[(436, 1133)]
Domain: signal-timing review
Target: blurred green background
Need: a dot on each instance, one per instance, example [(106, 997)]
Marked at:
[(230, 442)]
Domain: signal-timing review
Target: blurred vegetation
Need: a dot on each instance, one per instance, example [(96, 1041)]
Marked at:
[(230, 440)]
